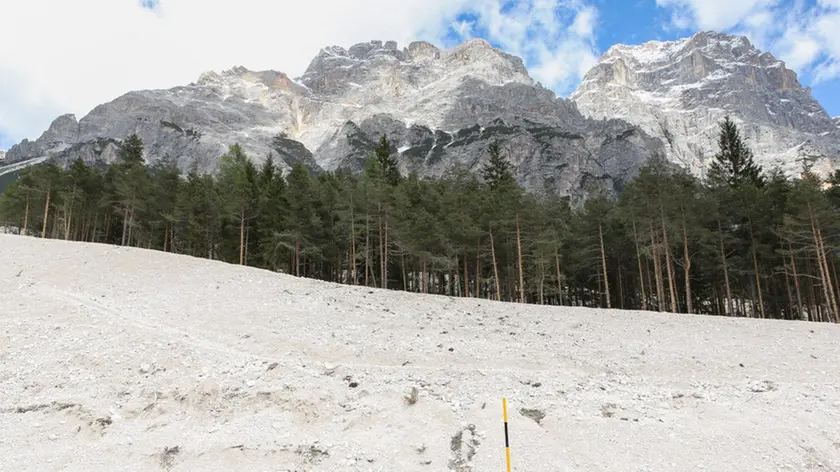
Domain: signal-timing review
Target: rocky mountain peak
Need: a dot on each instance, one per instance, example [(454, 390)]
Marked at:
[(336, 70), (679, 91), (441, 108)]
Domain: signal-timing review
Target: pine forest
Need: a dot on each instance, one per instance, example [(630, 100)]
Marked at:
[(744, 241)]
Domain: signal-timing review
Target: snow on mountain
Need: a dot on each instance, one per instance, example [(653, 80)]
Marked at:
[(680, 90), (128, 359), (440, 108), (2, 155)]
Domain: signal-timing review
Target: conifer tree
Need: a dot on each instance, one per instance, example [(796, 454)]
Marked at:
[(498, 171), (387, 164), (130, 183), (734, 164)]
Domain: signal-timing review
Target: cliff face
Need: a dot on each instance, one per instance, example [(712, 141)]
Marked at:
[(440, 108), (679, 91)]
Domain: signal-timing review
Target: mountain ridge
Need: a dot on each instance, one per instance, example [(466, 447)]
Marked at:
[(437, 104), (680, 90)]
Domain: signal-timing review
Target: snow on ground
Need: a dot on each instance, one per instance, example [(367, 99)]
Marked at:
[(124, 359)]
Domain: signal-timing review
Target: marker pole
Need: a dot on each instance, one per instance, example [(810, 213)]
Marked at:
[(507, 442)]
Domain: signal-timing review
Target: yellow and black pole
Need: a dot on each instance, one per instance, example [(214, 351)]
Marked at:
[(507, 442)]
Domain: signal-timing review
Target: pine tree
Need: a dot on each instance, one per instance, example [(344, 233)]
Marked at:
[(498, 171), (130, 183), (734, 164), (387, 164), (237, 180)]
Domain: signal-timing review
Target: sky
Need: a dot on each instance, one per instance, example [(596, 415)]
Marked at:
[(58, 56)]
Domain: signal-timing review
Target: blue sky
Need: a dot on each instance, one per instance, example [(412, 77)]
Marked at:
[(164, 43)]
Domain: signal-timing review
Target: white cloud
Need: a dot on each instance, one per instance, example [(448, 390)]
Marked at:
[(556, 37), (718, 14), (86, 52), (806, 35)]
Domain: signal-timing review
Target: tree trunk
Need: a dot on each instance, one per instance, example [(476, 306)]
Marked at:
[(620, 287), (478, 269), (559, 278), (385, 256), (165, 236), (495, 268), (367, 248), (519, 259), (729, 310), (297, 257), (657, 270), (687, 258), (802, 314), (381, 245), (542, 282), (818, 246), (758, 281), (404, 275), (46, 214), (466, 275), (835, 311), (26, 215), (604, 265), (787, 288), (639, 260), (242, 236), (424, 278), (836, 280), (93, 231), (670, 268), (69, 223)]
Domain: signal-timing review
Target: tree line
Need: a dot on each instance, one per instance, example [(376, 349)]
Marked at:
[(741, 242)]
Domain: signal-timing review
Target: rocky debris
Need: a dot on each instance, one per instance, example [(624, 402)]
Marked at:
[(464, 445), (313, 454), (167, 457), (533, 414), (109, 326), (763, 386)]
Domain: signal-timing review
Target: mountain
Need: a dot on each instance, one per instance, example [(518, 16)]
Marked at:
[(678, 91), (2, 155), (441, 108)]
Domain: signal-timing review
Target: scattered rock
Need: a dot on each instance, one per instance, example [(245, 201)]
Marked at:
[(464, 445), (353, 384), (272, 366), (145, 368), (533, 414), (608, 410), (167, 457), (313, 453), (412, 397), (763, 386)]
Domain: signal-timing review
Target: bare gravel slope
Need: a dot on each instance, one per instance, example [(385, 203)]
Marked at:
[(118, 359)]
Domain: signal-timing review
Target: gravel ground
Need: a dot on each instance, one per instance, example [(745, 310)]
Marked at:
[(117, 359)]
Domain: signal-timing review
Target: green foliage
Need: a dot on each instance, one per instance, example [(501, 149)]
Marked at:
[(498, 171), (386, 165), (734, 164)]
